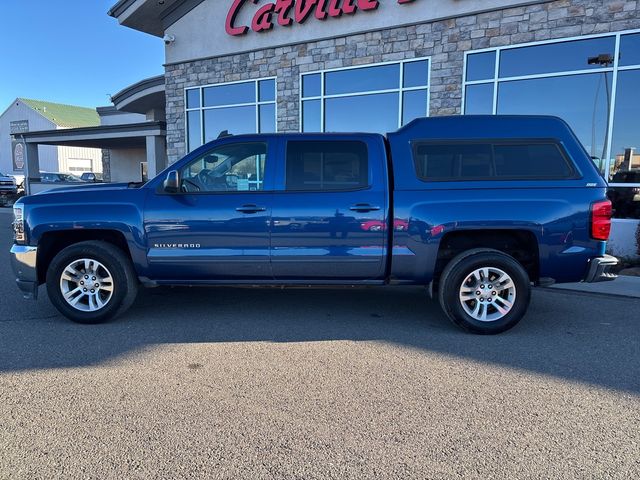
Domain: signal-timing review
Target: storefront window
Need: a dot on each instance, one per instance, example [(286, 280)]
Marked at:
[(236, 93), (366, 79), (193, 98), (479, 99), (374, 113), (581, 82), (579, 99), (630, 50), (481, 66), (236, 120), (240, 107), (373, 98), (554, 57), (413, 104), (312, 85), (625, 151), (194, 129)]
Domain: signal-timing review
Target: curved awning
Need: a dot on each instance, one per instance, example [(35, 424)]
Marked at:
[(142, 97)]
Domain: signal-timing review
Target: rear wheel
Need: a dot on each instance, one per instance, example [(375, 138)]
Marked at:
[(484, 291), (91, 282)]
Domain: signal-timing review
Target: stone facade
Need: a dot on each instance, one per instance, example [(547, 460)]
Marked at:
[(106, 164), (444, 41)]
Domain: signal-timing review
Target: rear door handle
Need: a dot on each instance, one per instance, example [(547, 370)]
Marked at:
[(251, 209), (364, 207)]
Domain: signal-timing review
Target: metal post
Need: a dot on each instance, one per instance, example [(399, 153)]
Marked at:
[(27, 173)]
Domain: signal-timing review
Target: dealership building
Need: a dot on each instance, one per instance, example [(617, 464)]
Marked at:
[(368, 65)]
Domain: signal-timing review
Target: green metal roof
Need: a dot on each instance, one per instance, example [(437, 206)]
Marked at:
[(66, 116)]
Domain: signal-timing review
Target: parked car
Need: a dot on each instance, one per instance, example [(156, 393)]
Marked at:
[(56, 177), (481, 208), (8, 190), (625, 200), (91, 177)]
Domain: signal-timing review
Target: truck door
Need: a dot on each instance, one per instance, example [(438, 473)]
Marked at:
[(329, 217), (217, 227)]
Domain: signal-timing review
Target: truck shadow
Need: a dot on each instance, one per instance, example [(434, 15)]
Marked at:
[(585, 339)]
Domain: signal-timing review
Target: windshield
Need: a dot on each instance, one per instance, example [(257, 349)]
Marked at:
[(66, 177)]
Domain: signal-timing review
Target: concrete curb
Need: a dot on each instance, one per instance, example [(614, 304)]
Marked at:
[(623, 286)]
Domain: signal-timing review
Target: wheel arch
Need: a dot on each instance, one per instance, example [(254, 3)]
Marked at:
[(53, 242), (521, 244)]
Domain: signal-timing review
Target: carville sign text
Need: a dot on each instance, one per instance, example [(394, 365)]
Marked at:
[(286, 12)]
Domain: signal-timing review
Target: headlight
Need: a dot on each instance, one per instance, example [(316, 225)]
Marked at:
[(18, 223)]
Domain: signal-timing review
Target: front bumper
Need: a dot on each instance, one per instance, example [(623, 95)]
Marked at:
[(599, 269), (23, 262)]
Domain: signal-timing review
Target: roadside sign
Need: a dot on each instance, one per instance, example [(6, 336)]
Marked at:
[(19, 126), (18, 155)]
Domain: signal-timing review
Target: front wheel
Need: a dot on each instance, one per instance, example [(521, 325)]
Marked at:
[(91, 282), (484, 291)]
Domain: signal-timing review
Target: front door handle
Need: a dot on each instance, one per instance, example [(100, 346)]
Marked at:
[(251, 209), (364, 207)]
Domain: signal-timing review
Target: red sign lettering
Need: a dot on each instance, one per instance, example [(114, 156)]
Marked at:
[(285, 12)]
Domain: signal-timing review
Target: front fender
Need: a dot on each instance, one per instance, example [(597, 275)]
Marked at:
[(125, 217)]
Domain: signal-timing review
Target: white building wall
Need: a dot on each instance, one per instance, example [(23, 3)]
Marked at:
[(19, 111), (125, 164), (122, 119), (66, 155), (622, 242)]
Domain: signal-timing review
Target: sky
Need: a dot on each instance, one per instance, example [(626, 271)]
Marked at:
[(70, 51)]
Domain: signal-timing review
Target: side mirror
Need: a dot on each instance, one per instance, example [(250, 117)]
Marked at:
[(173, 182)]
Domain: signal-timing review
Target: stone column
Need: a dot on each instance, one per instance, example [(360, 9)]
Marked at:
[(106, 164)]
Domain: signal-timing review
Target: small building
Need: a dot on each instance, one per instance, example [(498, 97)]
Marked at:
[(129, 137), (26, 115)]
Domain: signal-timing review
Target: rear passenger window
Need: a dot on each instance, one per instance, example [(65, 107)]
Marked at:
[(326, 166), (490, 161), (436, 162)]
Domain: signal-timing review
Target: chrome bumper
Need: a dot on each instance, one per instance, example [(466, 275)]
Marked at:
[(599, 269), (23, 262)]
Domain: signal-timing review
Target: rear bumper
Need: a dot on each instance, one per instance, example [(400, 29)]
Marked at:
[(23, 262), (599, 269)]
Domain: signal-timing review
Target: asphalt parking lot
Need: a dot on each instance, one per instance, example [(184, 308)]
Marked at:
[(372, 383)]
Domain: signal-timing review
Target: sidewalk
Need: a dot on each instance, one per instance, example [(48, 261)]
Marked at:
[(623, 286)]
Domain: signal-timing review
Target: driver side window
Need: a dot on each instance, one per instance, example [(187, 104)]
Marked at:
[(235, 167)]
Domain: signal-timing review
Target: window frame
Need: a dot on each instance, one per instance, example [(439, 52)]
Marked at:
[(615, 68), (202, 109), (400, 90), (574, 173), (285, 148)]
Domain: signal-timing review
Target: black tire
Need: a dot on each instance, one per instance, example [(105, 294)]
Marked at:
[(460, 268), (125, 281)]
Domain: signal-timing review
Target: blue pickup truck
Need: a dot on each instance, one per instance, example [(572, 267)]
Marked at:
[(475, 208)]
